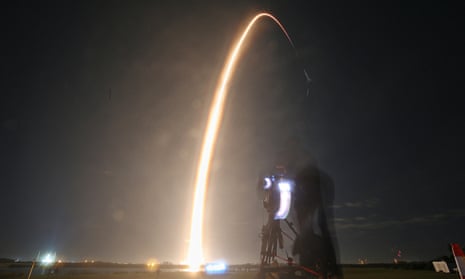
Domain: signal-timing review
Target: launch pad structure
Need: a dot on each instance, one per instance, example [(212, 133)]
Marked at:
[(277, 204)]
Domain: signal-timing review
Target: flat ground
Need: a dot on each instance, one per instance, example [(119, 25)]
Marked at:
[(349, 273)]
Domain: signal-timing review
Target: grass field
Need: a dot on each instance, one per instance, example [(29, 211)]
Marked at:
[(349, 273), (383, 273)]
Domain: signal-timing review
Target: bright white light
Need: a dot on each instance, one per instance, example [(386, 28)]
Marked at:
[(285, 199), (48, 259), (284, 186), (215, 268), (267, 183)]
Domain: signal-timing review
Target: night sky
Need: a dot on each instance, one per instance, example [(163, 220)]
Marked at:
[(103, 106)]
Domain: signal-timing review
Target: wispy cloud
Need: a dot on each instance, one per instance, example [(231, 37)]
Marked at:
[(369, 203), (368, 223)]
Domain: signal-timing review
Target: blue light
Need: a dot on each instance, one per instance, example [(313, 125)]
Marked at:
[(216, 268)]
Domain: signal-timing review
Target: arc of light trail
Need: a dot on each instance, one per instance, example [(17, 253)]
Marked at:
[(195, 254)]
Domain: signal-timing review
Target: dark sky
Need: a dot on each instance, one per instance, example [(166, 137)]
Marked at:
[(103, 105)]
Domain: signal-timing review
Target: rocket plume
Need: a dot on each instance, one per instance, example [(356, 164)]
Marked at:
[(195, 255)]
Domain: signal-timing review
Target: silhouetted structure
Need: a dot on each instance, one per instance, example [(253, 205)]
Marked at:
[(313, 194), (315, 244)]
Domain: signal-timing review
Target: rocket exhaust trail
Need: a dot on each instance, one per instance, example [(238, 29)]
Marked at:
[(195, 254)]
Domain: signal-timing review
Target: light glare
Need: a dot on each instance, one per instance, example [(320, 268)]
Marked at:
[(215, 268), (285, 200), (48, 259)]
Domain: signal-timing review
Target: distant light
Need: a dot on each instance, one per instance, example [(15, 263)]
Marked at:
[(153, 264), (216, 268), (48, 259)]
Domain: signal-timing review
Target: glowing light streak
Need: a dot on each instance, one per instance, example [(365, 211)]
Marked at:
[(195, 254)]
